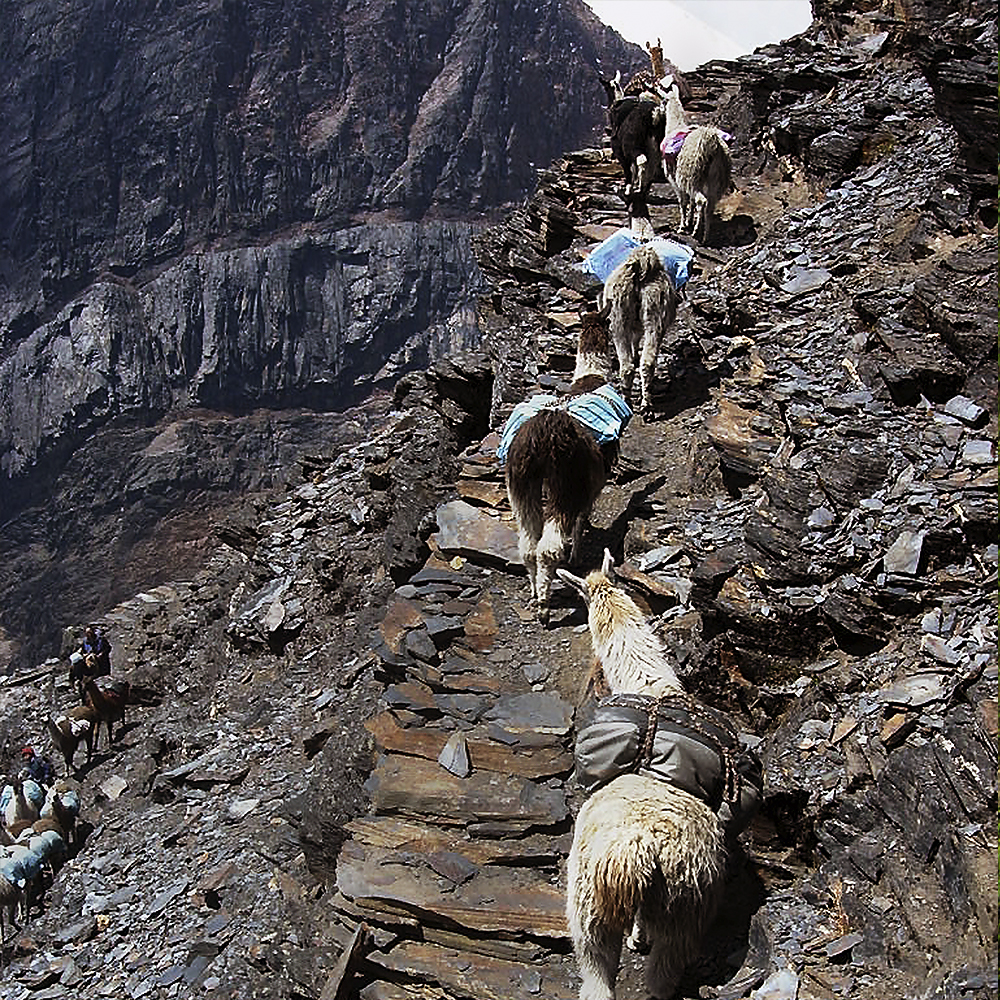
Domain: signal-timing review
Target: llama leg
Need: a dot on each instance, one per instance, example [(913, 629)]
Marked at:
[(663, 971), (707, 220), (647, 362), (574, 552), (626, 366), (597, 946), (675, 937), (526, 503), (526, 548), (543, 587), (699, 214), (626, 371), (551, 548), (597, 954)]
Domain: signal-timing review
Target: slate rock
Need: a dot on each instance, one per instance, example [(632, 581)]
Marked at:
[(903, 556), (471, 532), (966, 410)]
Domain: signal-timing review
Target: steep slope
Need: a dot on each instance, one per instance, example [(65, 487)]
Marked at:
[(810, 518), (229, 206)]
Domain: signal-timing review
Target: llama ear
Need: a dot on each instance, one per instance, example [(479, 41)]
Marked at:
[(608, 563), (576, 582)]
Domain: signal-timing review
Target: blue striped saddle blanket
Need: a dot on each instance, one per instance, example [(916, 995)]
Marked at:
[(603, 412)]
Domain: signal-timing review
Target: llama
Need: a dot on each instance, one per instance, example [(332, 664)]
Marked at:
[(636, 126), (698, 165), (651, 83), (648, 852), (10, 900), (641, 302), (17, 805), (558, 458), (108, 697), (68, 729)]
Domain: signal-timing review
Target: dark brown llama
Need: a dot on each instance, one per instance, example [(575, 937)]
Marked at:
[(557, 463)]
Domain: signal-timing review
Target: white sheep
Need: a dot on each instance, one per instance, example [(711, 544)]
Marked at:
[(645, 853)]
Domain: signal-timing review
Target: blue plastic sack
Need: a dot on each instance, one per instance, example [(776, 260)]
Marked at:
[(606, 256), (603, 412)]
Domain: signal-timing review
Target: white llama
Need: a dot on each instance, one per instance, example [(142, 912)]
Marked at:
[(646, 853)]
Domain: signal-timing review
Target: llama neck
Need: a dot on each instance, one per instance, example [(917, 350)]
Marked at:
[(588, 364), (630, 653), (676, 119)]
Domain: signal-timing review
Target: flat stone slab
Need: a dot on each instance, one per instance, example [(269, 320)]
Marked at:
[(486, 492), (484, 977), (464, 530), (484, 753), (419, 787), (801, 280), (446, 889), (403, 833), (903, 556), (534, 712)]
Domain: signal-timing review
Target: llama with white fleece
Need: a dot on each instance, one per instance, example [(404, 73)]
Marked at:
[(641, 302), (649, 845), (698, 164)]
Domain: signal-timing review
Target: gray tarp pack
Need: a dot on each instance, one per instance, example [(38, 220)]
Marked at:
[(692, 747)]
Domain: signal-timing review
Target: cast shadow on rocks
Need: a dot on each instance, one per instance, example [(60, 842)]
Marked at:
[(727, 942), (613, 537), (689, 382), (739, 231)]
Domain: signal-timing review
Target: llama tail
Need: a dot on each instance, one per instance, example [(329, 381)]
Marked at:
[(551, 450), (622, 876), (639, 842)]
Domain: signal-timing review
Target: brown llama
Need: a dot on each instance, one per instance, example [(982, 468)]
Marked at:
[(558, 457)]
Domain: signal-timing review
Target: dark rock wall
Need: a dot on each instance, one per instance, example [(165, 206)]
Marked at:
[(298, 322), (134, 131), (180, 185)]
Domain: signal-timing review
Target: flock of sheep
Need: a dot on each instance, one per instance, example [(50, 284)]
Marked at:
[(671, 785), (39, 823)]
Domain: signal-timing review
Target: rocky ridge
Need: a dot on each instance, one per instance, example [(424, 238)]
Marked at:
[(810, 518)]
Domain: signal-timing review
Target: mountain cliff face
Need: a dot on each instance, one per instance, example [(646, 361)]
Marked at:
[(177, 180), (232, 205), (132, 132)]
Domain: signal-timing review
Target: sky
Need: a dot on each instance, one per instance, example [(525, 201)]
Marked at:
[(694, 31)]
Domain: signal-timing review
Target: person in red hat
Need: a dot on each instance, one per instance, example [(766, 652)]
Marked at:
[(38, 766)]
